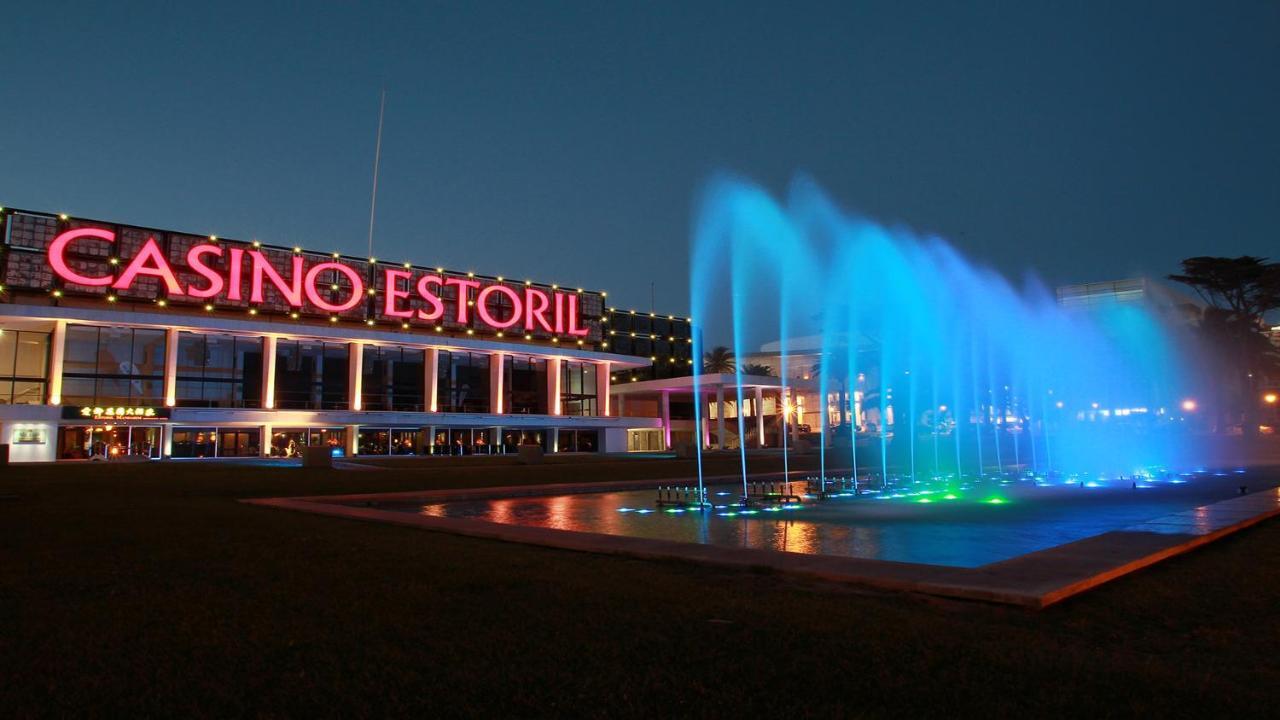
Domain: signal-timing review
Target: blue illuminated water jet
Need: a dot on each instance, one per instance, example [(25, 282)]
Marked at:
[(930, 363)]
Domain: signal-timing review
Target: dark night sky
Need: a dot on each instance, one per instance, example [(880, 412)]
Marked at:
[(566, 142)]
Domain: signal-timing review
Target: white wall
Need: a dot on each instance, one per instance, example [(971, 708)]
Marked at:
[(11, 431), (613, 440)]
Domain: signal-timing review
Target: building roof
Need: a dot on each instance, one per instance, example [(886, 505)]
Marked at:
[(707, 383)]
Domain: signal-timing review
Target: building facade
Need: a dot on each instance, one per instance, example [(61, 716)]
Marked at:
[(121, 340)]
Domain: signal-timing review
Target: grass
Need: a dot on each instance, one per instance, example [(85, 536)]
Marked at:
[(146, 590)]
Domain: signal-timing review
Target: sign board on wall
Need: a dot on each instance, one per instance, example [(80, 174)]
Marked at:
[(75, 412), (30, 436), (130, 264)]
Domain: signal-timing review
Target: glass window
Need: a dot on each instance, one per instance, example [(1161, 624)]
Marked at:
[(24, 357), (219, 370), (194, 442), (578, 441), (8, 351), (578, 388), (373, 441), (239, 442), (311, 375), (406, 442), (524, 385), (113, 365), (289, 442), (462, 380), (392, 379)]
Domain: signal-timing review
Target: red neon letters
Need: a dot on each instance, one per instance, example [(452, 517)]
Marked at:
[(220, 273), (58, 251)]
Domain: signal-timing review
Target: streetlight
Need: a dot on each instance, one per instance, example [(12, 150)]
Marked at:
[(1189, 405), (1270, 398)]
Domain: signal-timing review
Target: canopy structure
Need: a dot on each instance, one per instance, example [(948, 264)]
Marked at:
[(718, 392)]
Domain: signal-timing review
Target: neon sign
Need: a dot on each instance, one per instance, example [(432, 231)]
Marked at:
[(114, 413), (216, 273)]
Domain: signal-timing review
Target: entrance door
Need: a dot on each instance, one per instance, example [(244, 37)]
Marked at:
[(144, 440)]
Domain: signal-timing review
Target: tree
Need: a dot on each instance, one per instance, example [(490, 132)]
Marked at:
[(757, 369), (718, 360), (1239, 292)]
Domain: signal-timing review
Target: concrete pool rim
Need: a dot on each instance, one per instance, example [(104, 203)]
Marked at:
[(1033, 580)]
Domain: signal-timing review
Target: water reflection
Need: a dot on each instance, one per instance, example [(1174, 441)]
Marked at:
[(966, 531)]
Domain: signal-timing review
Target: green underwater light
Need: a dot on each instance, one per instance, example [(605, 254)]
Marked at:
[(995, 501)]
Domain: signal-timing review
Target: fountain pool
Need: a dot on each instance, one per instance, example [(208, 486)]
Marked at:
[(936, 523)]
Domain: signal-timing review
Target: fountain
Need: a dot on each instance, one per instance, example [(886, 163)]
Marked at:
[(935, 368)]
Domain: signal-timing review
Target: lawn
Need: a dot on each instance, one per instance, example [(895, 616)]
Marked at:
[(145, 590)]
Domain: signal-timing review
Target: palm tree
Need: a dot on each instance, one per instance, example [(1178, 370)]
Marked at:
[(757, 369), (718, 360)]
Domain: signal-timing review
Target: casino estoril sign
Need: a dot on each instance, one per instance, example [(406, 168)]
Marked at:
[(237, 274)]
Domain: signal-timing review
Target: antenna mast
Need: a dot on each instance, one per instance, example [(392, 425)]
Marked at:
[(377, 157)]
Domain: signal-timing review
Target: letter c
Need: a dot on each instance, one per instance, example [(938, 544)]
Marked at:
[(58, 249)]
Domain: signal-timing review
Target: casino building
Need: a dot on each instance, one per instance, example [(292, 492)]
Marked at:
[(121, 340)]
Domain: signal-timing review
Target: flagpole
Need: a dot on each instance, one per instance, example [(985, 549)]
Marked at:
[(377, 157)]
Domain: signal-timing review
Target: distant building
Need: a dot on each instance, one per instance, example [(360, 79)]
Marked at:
[(1166, 299)]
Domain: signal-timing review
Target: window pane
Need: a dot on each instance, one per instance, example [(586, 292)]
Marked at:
[(8, 348), (113, 391), (27, 393), (191, 355), (81, 353), (115, 351), (78, 391), (334, 378), (148, 352), (219, 357), (249, 369)]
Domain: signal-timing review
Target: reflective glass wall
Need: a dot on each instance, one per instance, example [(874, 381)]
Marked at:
[(24, 366), (113, 366), (524, 385), (219, 371), (462, 381), (578, 388), (311, 375), (392, 378)]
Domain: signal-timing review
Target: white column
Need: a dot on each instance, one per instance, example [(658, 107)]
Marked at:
[(759, 406), (495, 383), (431, 439), (355, 375), (171, 367), (264, 443), (720, 417), (429, 380), (495, 441), (553, 385), (166, 440), (664, 405), (57, 351), (704, 412), (602, 389), (353, 440), (269, 372)]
